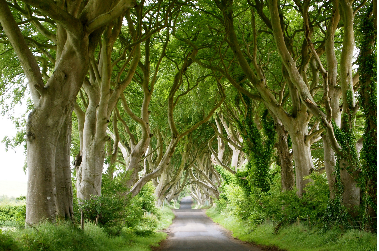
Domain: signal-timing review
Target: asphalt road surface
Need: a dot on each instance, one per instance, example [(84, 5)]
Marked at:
[(192, 229)]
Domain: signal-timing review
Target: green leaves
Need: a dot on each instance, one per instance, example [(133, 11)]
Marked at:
[(259, 146), (113, 211)]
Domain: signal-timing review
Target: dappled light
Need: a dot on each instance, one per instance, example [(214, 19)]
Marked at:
[(137, 115)]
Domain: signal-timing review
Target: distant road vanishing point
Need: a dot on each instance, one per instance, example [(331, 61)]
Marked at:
[(192, 229)]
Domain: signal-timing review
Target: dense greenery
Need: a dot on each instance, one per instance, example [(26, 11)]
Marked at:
[(255, 206), (260, 106), (297, 237), (12, 213), (65, 236), (287, 221), (111, 223)]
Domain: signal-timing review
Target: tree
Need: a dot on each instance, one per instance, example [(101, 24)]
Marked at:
[(255, 79), (178, 93), (368, 100), (77, 33)]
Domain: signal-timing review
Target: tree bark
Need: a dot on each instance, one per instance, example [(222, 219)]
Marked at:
[(330, 164), (64, 199), (302, 157), (287, 172), (42, 133)]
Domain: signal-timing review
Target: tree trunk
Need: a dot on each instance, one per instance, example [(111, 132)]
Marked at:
[(351, 192), (41, 139), (64, 203), (135, 166), (302, 157), (42, 135), (163, 164), (287, 172), (159, 194), (235, 157), (220, 143), (54, 100), (330, 164), (93, 153)]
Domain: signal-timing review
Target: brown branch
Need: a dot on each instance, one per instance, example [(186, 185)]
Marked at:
[(108, 17), (51, 9)]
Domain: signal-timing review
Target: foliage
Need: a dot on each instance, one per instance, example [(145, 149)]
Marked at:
[(113, 211), (7, 242), (368, 98), (254, 193), (49, 237), (297, 236), (66, 236), (254, 206), (259, 146), (13, 215)]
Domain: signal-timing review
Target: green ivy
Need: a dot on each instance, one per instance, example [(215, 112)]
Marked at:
[(259, 147), (368, 99)]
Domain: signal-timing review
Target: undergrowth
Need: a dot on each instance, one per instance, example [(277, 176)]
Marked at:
[(296, 236), (65, 236)]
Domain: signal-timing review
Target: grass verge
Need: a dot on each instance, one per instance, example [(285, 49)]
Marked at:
[(297, 237), (166, 218), (66, 237)]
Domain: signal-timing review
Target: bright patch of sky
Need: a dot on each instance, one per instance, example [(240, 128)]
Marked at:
[(12, 176)]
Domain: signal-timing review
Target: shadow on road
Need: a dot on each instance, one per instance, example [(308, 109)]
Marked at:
[(192, 229)]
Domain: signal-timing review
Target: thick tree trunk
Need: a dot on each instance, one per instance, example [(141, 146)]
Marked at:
[(42, 138), (159, 194), (287, 172), (44, 125), (351, 192), (89, 174), (64, 202), (302, 157), (90, 171), (330, 164)]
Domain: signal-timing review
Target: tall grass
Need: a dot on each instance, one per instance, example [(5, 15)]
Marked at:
[(67, 237), (297, 237)]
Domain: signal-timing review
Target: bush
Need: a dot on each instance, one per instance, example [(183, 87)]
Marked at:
[(12, 216), (68, 237), (7, 242), (112, 211), (297, 236), (252, 205), (51, 237)]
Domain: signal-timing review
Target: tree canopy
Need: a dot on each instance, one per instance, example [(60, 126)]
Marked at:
[(176, 91)]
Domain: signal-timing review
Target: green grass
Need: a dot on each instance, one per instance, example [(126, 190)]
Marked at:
[(166, 218), (297, 237), (66, 237)]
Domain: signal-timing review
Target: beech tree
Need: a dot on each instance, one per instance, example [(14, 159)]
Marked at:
[(170, 89), (104, 91), (78, 26), (176, 94)]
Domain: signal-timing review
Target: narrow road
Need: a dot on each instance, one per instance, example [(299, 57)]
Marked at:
[(192, 229)]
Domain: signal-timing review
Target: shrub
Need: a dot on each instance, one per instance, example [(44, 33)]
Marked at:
[(7, 242), (113, 211), (250, 204), (12, 216)]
